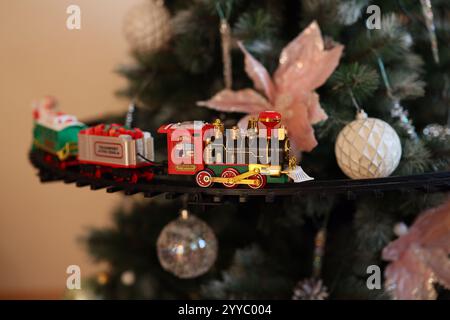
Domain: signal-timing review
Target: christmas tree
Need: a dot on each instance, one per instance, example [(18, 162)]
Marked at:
[(310, 246)]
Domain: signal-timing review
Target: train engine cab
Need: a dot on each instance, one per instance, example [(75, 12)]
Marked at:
[(185, 146), (253, 156)]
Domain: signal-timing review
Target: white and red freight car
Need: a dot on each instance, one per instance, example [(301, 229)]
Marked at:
[(126, 154)]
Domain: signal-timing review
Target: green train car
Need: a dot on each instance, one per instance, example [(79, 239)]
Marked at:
[(59, 139)]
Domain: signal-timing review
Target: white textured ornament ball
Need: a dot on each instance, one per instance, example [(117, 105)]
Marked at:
[(187, 247), (368, 148), (147, 26)]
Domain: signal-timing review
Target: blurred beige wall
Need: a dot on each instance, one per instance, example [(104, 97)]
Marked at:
[(40, 223)]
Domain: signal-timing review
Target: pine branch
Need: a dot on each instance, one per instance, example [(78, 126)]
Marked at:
[(362, 80), (249, 277)]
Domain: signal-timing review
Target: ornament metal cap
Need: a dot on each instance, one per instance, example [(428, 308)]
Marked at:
[(361, 114), (184, 214), (400, 229)]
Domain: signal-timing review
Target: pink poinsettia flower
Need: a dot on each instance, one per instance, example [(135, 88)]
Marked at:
[(304, 65), (420, 258)]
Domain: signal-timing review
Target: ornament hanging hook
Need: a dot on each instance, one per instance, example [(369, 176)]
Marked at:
[(384, 76), (184, 212), (130, 116), (397, 110), (355, 103), (225, 33), (427, 11)]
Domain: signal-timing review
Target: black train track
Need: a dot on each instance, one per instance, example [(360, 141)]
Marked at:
[(173, 187)]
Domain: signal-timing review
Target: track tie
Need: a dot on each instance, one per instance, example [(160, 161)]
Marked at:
[(48, 178), (430, 188), (68, 180), (406, 191), (151, 194), (378, 194), (130, 192), (98, 186), (270, 197), (173, 195), (113, 189), (351, 195), (82, 183)]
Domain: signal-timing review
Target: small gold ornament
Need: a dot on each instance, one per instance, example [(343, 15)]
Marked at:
[(102, 278), (147, 26)]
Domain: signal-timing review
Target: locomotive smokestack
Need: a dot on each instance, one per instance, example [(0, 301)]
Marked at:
[(270, 119)]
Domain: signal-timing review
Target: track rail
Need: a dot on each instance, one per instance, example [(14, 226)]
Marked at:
[(172, 188)]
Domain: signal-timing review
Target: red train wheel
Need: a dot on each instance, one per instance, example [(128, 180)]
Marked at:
[(148, 175), (203, 178), (98, 173), (48, 158), (87, 171), (63, 165), (134, 177), (260, 181), (229, 173), (119, 179)]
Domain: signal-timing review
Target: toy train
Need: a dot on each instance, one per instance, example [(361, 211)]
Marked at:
[(253, 156)]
